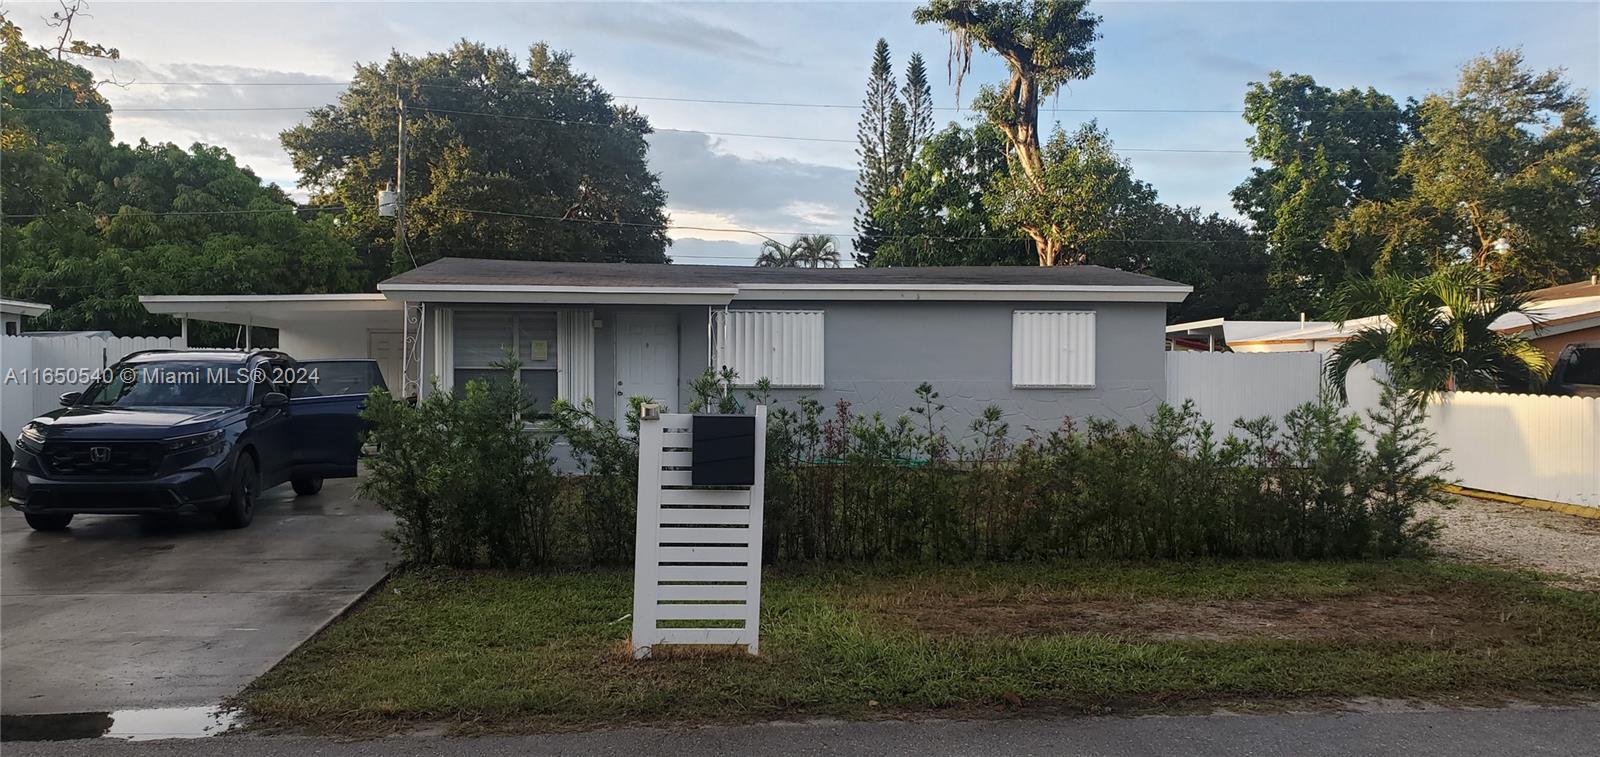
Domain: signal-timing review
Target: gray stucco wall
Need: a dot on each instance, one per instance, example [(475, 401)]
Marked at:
[(876, 353)]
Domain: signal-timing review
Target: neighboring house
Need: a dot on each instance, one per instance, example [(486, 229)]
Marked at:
[(1042, 343), (13, 313), (1566, 316)]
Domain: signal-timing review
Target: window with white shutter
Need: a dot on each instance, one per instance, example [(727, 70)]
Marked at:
[(782, 346), (1052, 349)]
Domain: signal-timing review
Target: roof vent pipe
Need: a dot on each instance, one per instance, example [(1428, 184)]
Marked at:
[(1302, 319)]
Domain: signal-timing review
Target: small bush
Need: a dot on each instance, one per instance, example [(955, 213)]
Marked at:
[(604, 497), (467, 484)]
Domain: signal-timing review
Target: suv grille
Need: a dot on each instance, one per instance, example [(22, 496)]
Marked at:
[(102, 458)]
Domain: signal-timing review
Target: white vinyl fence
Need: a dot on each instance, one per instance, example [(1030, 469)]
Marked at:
[(1227, 386), (36, 371), (1535, 446), (697, 560)]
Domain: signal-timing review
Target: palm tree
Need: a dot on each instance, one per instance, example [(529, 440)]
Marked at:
[(816, 250), (775, 254), (806, 251), (1437, 332)]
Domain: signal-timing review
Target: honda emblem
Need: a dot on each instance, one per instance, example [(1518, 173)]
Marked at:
[(99, 454)]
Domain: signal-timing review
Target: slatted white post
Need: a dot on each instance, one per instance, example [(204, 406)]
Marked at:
[(697, 553)]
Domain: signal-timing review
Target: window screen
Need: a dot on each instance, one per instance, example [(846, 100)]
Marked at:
[(484, 338)]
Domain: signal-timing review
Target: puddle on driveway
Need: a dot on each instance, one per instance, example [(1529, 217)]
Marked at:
[(131, 725)]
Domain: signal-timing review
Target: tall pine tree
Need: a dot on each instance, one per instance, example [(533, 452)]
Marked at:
[(918, 97), (878, 153)]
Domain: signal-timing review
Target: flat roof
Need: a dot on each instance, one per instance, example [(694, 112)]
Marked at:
[(522, 280), (23, 307)]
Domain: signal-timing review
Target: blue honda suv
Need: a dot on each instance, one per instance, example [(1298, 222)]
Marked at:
[(172, 431)]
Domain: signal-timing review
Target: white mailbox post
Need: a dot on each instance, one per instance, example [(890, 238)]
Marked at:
[(697, 554)]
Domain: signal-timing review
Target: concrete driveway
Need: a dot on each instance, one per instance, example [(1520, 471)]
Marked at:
[(124, 613)]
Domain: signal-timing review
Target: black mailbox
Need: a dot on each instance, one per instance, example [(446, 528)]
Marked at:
[(724, 450)]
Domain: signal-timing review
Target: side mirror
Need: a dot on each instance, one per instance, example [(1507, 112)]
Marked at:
[(274, 399), (71, 398)]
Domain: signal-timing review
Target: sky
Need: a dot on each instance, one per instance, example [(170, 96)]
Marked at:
[(1192, 57)]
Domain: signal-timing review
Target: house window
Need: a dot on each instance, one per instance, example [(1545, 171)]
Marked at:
[(483, 338), (1052, 349), (782, 346)]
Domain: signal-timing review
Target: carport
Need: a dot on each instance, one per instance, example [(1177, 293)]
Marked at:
[(310, 326)]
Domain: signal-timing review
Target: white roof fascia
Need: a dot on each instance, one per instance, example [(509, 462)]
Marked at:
[(957, 292)]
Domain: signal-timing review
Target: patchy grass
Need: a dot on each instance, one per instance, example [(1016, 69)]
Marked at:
[(498, 651)]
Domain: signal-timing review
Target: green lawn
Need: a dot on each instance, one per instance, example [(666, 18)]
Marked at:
[(527, 652)]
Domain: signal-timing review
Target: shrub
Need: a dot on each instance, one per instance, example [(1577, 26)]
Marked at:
[(467, 484), (858, 487), (604, 497)]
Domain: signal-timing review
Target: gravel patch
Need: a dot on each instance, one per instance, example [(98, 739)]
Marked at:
[(1520, 537)]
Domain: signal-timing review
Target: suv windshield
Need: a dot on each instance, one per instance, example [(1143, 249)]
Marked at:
[(176, 383)]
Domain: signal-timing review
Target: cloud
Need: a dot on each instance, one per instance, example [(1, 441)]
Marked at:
[(661, 26), (766, 194), (1227, 64), (246, 116)]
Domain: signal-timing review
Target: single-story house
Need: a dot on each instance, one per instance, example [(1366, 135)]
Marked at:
[(13, 313), (1042, 343), (1562, 316)]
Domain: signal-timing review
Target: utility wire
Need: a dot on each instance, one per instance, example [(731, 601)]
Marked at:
[(673, 226), (568, 122), (767, 103)]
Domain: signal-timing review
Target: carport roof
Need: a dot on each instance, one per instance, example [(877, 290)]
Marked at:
[(519, 280), (271, 310)]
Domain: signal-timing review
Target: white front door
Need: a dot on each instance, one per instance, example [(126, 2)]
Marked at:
[(389, 349), (647, 359)]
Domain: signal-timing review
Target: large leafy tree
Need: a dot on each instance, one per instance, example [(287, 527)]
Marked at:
[(936, 215), (1087, 195), (51, 113), (1045, 44), (1217, 256), (1504, 171), (505, 159), (90, 225), (940, 215), (1323, 152), (1436, 334)]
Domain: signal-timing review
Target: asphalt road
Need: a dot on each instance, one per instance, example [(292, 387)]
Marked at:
[(119, 612), (1441, 733)]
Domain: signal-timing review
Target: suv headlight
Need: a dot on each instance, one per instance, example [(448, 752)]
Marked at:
[(32, 437), (206, 440)]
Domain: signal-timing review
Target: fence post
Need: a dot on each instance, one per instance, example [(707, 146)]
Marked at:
[(644, 540), (697, 550)]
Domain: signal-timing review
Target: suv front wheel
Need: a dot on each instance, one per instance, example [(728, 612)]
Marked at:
[(241, 507)]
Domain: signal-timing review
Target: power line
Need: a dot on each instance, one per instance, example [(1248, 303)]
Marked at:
[(776, 103), (570, 122), (674, 226), (241, 211), (772, 233)]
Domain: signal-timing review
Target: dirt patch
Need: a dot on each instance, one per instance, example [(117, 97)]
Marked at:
[(1387, 617), (1513, 536)]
